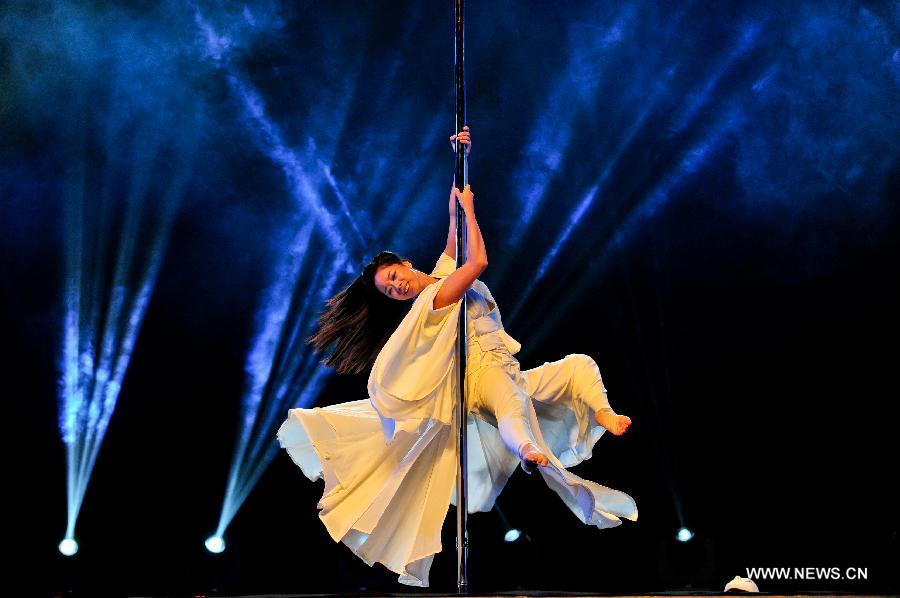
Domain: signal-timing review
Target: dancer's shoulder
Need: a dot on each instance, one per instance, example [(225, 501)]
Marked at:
[(444, 266)]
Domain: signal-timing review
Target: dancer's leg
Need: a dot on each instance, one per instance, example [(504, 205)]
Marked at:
[(576, 377), (498, 394)]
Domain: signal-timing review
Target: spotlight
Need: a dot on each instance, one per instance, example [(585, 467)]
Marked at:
[(215, 544), (684, 534), (68, 546), (512, 535)]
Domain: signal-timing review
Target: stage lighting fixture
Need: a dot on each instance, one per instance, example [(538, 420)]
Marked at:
[(215, 544), (68, 546), (512, 535), (684, 534)]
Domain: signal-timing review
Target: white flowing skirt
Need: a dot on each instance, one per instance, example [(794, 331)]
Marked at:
[(387, 502)]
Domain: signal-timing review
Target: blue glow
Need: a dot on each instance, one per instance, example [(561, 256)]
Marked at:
[(280, 369), (271, 139), (277, 363), (684, 534), (345, 210), (301, 187), (574, 91), (576, 216), (512, 535), (699, 100), (692, 159), (103, 319), (647, 209), (538, 277)]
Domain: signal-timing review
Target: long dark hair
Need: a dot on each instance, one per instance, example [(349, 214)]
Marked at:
[(359, 320)]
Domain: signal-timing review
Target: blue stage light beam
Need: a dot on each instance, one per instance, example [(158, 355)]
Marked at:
[(296, 166), (550, 257), (585, 71), (660, 87), (644, 212), (575, 89), (313, 377), (281, 370), (700, 99), (292, 165), (99, 339), (695, 157), (271, 330), (342, 201), (697, 101)]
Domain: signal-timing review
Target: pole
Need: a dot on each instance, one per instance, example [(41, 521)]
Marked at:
[(462, 537)]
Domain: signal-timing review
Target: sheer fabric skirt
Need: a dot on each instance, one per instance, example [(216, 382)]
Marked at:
[(388, 501)]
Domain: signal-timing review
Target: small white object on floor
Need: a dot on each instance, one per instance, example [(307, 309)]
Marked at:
[(741, 583)]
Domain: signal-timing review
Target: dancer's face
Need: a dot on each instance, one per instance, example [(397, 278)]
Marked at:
[(398, 281)]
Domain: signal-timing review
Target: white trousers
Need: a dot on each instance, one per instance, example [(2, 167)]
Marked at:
[(505, 394)]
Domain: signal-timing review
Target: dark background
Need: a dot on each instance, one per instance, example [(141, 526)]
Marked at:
[(700, 195)]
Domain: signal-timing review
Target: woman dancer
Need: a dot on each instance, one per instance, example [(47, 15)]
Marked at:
[(389, 462)]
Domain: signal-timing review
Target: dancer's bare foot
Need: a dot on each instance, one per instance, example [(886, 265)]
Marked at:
[(532, 455), (612, 421)]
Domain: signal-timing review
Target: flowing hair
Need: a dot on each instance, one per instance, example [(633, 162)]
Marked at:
[(359, 320)]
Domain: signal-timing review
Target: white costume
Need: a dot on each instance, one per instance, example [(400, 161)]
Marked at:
[(389, 462)]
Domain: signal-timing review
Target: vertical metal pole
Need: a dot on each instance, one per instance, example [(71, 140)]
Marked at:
[(462, 537)]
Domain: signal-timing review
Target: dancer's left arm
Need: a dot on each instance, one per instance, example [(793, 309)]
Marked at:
[(450, 249)]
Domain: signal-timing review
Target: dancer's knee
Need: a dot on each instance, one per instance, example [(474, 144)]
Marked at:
[(587, 383), (585, 363)]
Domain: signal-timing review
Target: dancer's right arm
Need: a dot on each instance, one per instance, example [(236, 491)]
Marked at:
[(456, 285)]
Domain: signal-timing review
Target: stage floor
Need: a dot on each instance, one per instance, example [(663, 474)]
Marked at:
[(540, 594)]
